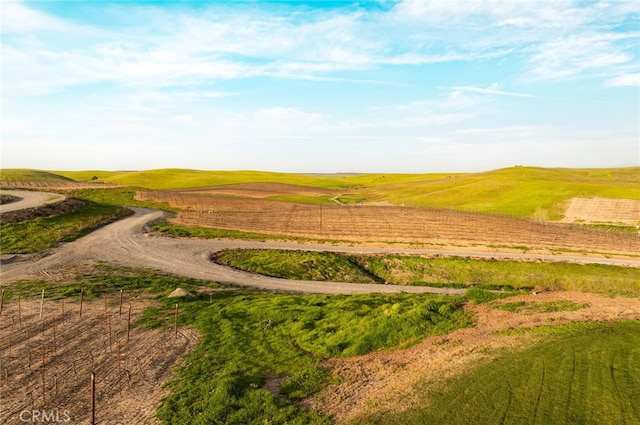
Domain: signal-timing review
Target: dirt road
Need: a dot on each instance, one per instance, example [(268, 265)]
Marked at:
[(128, 243), (29, 199)]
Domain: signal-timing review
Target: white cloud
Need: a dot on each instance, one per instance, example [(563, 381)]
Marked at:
[(582, 55), (632, 80), (288, 115), (19, 19)]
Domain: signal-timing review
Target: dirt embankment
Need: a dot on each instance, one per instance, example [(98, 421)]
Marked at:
[(54, 185), (67, 206)]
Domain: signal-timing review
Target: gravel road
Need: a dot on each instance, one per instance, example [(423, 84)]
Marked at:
[(127, 242), (29, 199)]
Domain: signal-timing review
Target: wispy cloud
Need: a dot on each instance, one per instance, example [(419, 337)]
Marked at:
[(632, 80), (268, 75), (217, 43)]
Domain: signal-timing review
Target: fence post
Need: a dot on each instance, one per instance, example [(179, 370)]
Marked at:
[(93, 398), (129, 323), (41, 303), (1, 302), (175, 325), (81, 299)]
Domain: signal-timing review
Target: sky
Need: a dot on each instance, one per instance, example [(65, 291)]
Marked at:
[(320, 86)]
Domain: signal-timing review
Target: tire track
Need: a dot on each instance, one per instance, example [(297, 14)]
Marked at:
[(126, 242)]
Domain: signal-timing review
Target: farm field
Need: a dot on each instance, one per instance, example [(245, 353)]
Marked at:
[(369, 358), (46, 363), (390, 224)]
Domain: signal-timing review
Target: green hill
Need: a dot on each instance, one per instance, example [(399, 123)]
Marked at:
[(528, 192), (27, 175), (517, 191)]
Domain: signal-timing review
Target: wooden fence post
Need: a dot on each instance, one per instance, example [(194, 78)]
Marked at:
[(93, 398)]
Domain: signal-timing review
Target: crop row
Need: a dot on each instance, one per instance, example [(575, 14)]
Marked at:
[(408, 225)]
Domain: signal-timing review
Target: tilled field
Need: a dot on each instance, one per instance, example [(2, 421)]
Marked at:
[(603, 210), (366, 223), (46, 363)]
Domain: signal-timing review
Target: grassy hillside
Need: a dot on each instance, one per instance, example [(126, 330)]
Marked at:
[(448, 272), (26, 175), (527, 192), (582, 374), (519, 191), (181, 179)]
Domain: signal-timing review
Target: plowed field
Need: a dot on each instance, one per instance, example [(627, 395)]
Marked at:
[(603, 210), (46, 363), (366, 223)]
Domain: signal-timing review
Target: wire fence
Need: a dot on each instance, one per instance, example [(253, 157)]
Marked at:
[(46, 360)]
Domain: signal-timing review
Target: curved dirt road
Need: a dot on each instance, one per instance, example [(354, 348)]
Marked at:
[(29, 199), (126, 242)]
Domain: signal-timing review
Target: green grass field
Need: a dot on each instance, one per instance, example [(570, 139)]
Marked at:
[(585, 373), (47, 232), (452, 272), (249, 337), (576, 374), (526, 192)]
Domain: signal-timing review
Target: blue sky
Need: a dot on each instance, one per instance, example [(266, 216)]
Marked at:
[(304, 86)]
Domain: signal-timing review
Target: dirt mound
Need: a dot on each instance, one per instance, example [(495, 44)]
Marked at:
[(178, 293)]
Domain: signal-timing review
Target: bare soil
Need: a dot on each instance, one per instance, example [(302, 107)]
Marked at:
[(603, 210), (46, 363), (384, 224), (252, 190), (386, 381)]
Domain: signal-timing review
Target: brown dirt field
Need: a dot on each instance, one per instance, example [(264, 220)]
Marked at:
[(603, 210), (385, 381), (365, 223), (129, 374), (257, 190)]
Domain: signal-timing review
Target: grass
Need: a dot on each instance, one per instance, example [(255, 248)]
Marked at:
[(452, 272), (28, 175), (299, 265), (250, 337), (171, 178), (121, 196), (526, 192), (523, 307), (586, 373), (209, 233), (104, 280), (47, 232)]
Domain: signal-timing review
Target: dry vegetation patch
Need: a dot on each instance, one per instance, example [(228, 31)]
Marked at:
[(603, 210)]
